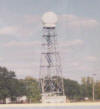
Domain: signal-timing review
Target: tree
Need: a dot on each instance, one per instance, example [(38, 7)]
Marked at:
[(6, 78), (32, 89), (9, 85), (86, 87), (17, 89), (72, 89), (97, 90)]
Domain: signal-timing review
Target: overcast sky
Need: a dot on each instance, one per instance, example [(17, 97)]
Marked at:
[(78, 31)]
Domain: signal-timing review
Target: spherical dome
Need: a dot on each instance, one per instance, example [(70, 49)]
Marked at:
[(49, 19)]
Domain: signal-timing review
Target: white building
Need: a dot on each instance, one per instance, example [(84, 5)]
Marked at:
[(22, 99)]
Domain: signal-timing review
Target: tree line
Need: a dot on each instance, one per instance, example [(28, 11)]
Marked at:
[(80, 91), (12, 87)]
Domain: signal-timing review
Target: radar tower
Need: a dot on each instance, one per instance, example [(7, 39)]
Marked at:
[(51, 80)]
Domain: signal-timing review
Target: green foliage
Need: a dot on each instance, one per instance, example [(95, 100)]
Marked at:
[(17, 88), (9, 85), (97, 90), (72, 89), (86, 87), (6, 78), (12, 87), (33, 92)]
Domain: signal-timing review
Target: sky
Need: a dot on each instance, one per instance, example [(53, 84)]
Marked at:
[(78, 34)]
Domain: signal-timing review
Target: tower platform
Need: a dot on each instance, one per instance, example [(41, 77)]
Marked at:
[(53, 99)]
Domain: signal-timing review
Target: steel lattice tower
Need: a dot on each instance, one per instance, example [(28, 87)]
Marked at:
[(51, 80)]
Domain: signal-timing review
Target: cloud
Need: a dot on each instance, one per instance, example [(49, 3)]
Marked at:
[(32, 19), (1, 58), (38, 43), (72, 43), (21, 44), (91, 58), (8, 30), (66, 46), (27, 54), (29, 25), (18, 25), (76, 22)]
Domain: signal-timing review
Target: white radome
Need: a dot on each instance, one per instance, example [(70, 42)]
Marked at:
[(49, 19)]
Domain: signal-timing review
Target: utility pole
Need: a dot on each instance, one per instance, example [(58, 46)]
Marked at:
[(93, 88)]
